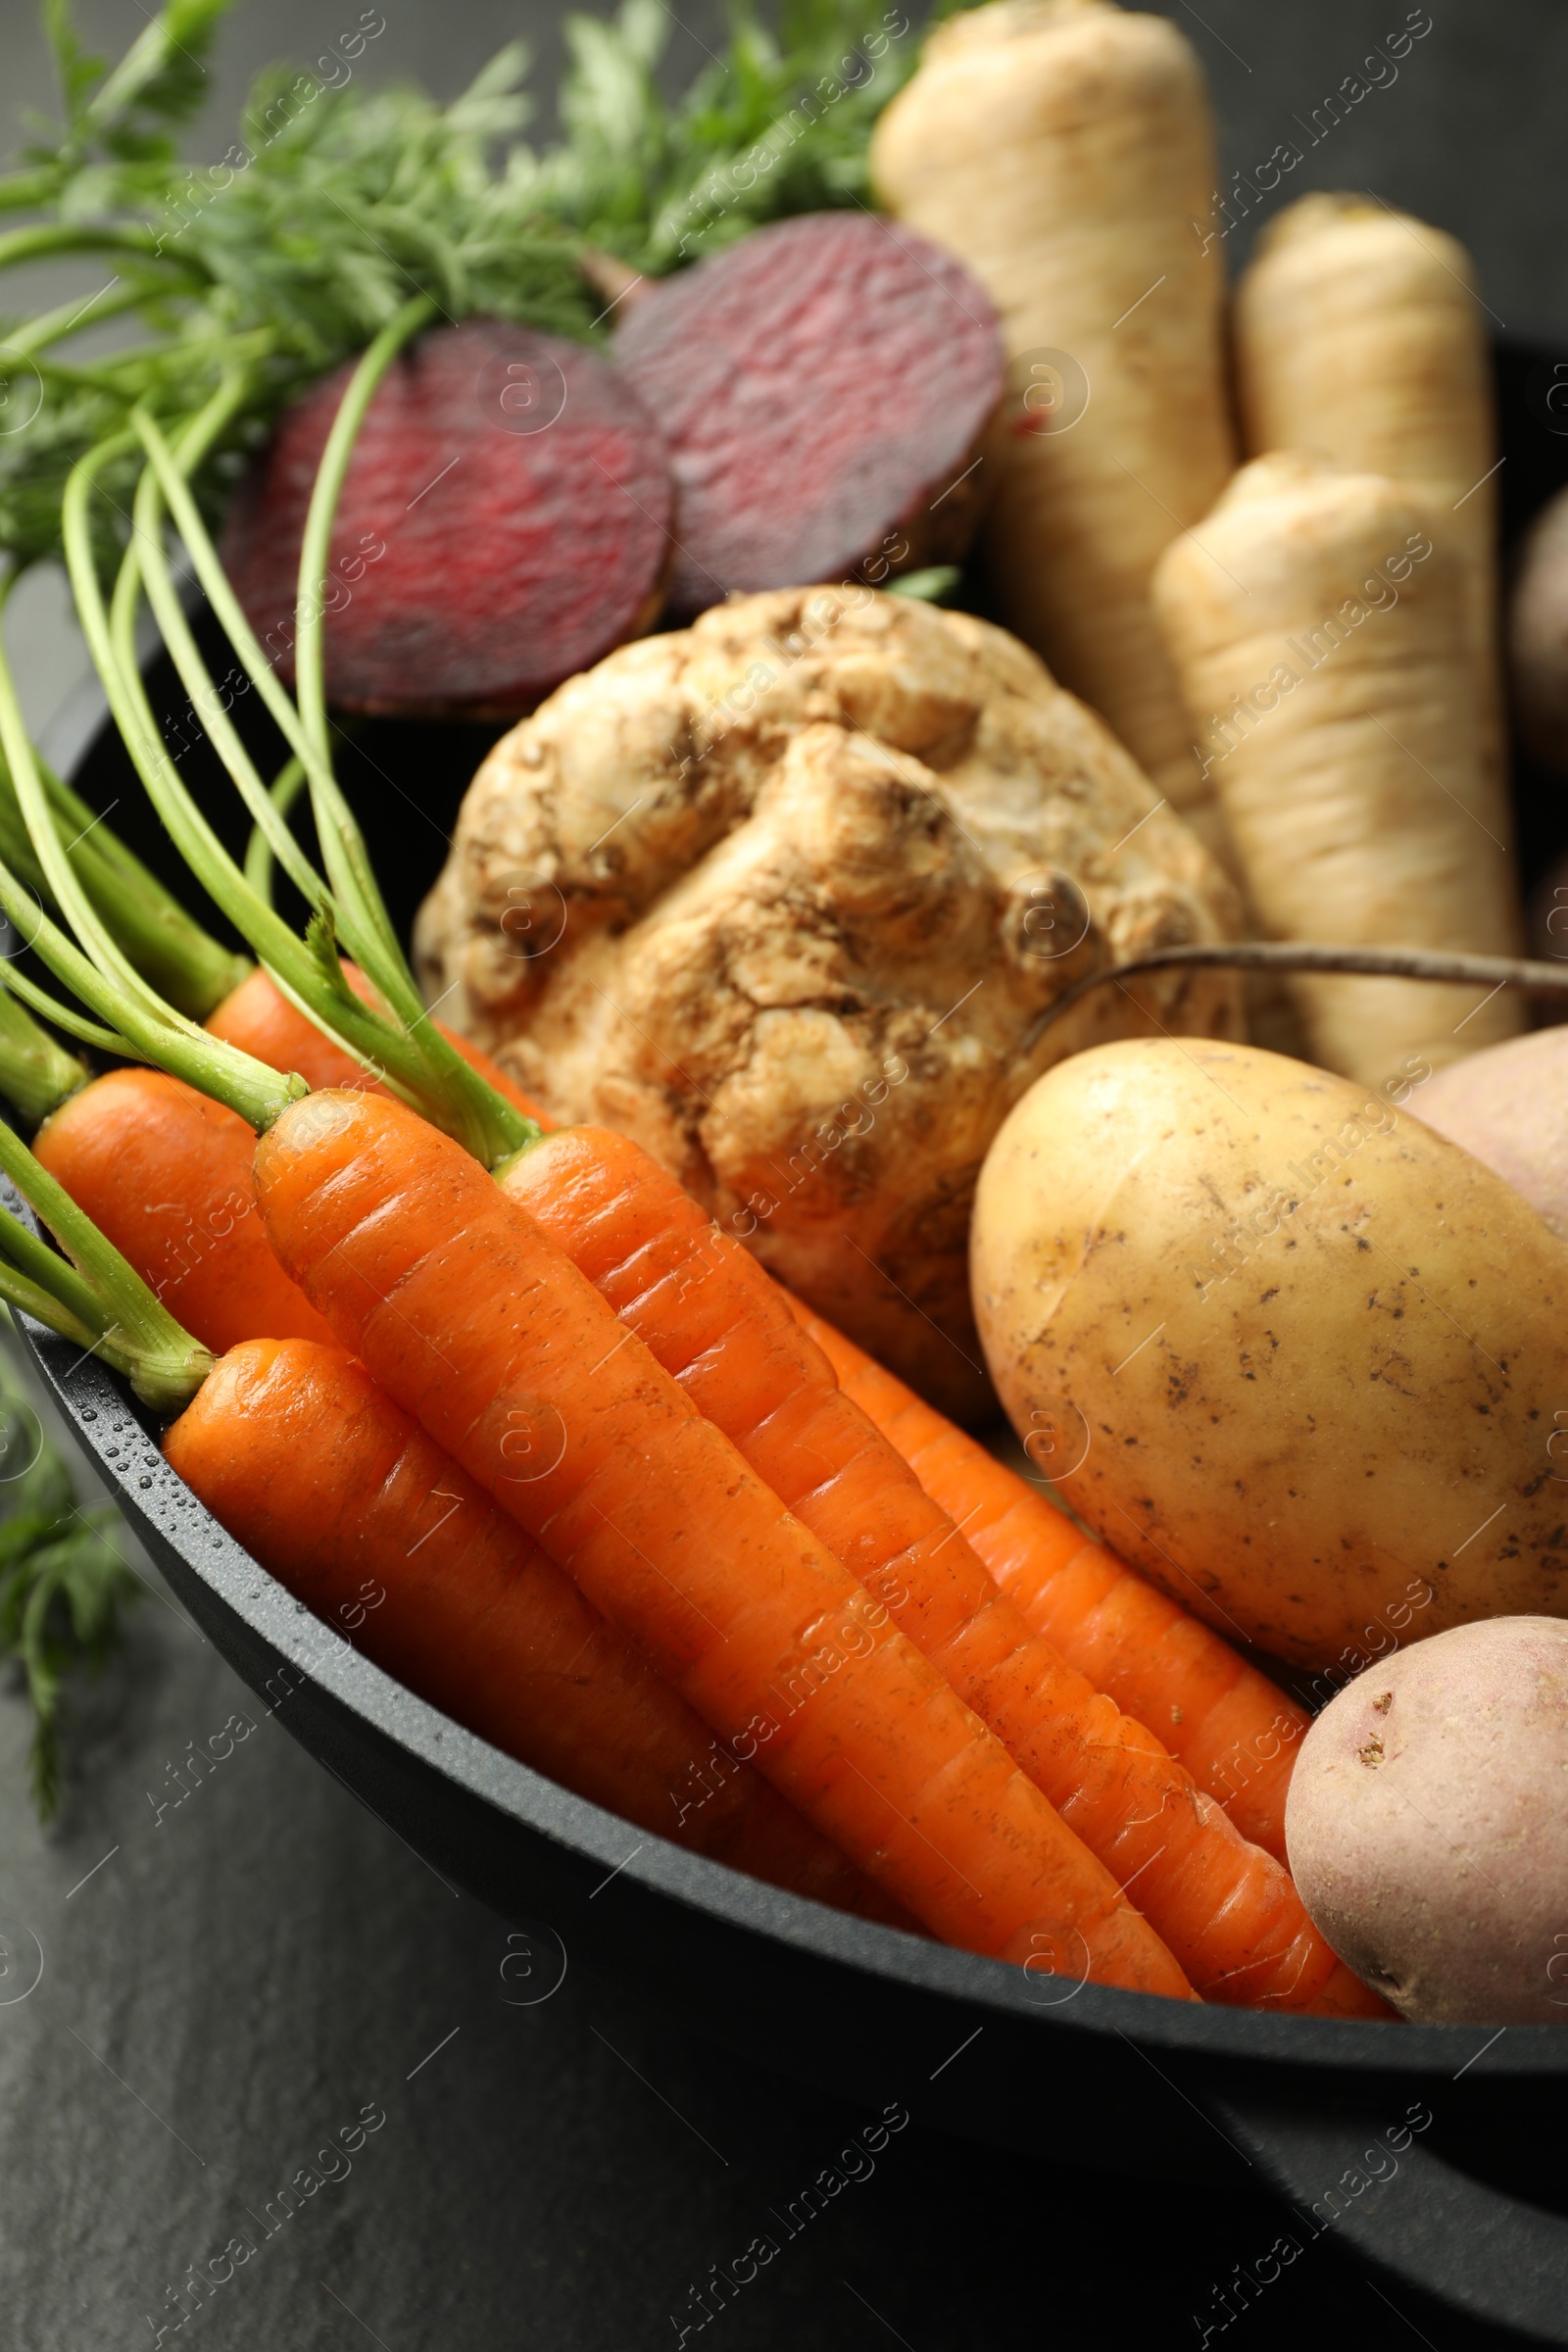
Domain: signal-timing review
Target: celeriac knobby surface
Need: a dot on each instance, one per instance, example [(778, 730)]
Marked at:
[(781, 894)]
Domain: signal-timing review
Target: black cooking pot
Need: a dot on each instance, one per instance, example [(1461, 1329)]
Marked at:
[(1427, 2150)]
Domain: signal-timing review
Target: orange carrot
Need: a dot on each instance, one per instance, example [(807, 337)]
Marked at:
[(1235, 1731), (226, 1285), (162, 1170), (466, 1314), (259, 1019), (166, 1173), (294, 1448), (351, 1507), (714, 1319)]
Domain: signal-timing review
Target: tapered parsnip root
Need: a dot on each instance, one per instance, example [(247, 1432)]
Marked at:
[(1360, 335), (1321, 631), (1065, 150)]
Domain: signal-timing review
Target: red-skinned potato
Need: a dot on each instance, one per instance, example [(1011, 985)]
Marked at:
[(1509, 1107), (1427, 1825)]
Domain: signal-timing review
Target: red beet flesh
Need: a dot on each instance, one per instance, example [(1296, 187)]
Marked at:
[(505, 523), (822, 386)]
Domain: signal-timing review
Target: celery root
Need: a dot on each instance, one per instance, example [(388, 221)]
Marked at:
[(1319, 623), (783, 895), (1064, 149)]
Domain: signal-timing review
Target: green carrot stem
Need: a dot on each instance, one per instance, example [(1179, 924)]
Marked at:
[(161, 940), (97, 1293), (403, 1046), (148, 1029), (146, 566), (42, 1305), (63, 881), (32, 1258), (37, 1073), (259, 860), (27, 191), (164, 1039), (308, 971), (166, 944), (348, 863), (69, 1017), (128, 705), (53, 327), (291, 961), (53, 237), (360, 918)]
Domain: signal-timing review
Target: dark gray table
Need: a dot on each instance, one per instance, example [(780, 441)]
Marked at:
[(232, 1982)]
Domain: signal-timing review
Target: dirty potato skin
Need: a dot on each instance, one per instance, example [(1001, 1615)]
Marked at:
[(1426, 1830), (1292, 1352), (782, 895)]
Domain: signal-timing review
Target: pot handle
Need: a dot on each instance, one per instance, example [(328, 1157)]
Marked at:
[(1427, 2226)]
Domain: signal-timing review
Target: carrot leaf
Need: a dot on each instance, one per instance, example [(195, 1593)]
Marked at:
[(336, 204), (64, 1587)]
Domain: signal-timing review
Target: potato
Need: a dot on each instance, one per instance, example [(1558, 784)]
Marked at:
[(1509, 1107), (1300, 1359), (1427, 1825)]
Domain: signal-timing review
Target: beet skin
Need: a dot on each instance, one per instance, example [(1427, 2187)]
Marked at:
[(505, 523), (823, 387)]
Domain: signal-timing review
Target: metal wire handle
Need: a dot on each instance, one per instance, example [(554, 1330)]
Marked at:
[(1311, 955)]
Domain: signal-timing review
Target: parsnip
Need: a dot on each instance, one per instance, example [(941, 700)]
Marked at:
[(1359, 334), (1319, 623), (1065, 150)]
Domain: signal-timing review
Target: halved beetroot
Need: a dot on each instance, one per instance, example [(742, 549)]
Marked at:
[(505, 523), (823, 387)]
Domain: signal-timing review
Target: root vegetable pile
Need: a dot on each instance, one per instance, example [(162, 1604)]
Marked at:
[(624, 1325), (888, 1730)]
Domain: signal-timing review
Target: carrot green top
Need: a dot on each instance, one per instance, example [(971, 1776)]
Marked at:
[(126, 1012), (37, 1073), (399, 1043)]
